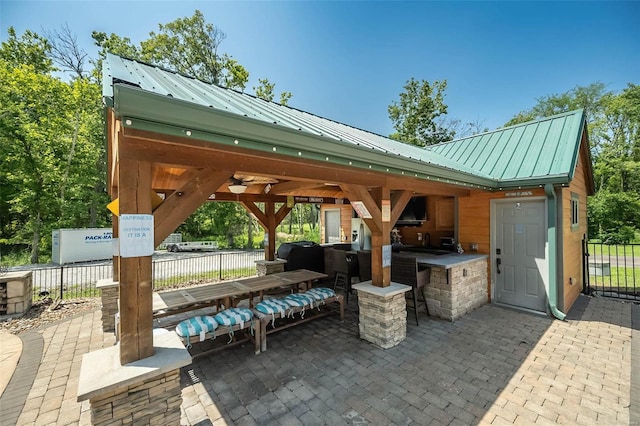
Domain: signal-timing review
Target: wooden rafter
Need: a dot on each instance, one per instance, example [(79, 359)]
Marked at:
[(399, 201), (360, 193), (180, 204)]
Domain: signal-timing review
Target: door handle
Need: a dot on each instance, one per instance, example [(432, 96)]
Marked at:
[(498, 263)]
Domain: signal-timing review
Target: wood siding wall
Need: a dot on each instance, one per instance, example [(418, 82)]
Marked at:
[(474, 222), (572, 279)]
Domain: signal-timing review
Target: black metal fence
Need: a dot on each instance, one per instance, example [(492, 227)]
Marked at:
[(73, 281), (611, 270)]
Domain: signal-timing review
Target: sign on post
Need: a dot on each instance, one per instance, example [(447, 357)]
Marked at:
[(136, 235)]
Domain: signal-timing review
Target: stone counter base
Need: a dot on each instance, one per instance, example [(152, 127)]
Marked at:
[(153, 402), (465, 290)]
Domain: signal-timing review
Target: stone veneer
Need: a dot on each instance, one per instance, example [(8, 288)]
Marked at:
[(110, 292), (143, 392), (15, 292), (465, 290), (383, 313), (268, 267), (153, 402)]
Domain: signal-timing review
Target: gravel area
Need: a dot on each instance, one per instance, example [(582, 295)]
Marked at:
[(45, 311)]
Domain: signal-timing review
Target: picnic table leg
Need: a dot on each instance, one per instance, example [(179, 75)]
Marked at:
[(257, 338), (263, 335)]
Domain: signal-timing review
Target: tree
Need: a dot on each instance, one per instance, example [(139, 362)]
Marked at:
[(29, 49), (265, 91), (191, 46), (415, 116), (32, 132), (614, 132)]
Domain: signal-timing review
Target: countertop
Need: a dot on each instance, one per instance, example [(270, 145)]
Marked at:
[(446, 261)]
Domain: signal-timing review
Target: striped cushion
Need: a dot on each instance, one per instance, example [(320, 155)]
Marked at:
[(321, 293), (299, 300), (233, 316), (272, 306), (196, 326)]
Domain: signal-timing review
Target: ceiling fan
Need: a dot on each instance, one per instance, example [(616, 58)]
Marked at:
[(240, 182)]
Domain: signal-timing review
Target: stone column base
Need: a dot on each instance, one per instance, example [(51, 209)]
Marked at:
[(268, 267), (145, 392), (110, 292), (383, 313)]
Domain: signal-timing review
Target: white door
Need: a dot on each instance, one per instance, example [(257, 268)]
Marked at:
[(332, 226), (520, 263)]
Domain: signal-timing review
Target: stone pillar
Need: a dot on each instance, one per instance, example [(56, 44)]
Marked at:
[(16, 294), (110, 291), (383, 313), (267, 267), (145, 392)]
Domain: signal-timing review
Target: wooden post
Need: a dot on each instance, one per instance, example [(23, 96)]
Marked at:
[(269, 220), (381, 276), (116, 259), (270, 212), (136, 317)]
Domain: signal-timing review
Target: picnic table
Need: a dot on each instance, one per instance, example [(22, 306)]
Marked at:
[(182, 300)]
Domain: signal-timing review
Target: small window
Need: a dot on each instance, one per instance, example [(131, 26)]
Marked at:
[(575, 209)]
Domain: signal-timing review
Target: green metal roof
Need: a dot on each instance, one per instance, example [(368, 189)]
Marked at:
[(543, 149), (154, 99)]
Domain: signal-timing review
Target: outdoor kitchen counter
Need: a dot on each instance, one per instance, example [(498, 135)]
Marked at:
[(445, 261), (457, 285)]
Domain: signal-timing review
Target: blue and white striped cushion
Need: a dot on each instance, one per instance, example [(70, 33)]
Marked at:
[(233, 316), (321, 293), (196, 326), (272, 306), (299, 300)]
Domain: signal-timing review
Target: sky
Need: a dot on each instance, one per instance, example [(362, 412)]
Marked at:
[(348, 60)]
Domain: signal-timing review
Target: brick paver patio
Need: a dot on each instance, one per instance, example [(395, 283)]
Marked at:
[(494, 366)]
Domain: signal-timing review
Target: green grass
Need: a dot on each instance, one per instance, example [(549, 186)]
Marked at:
[(619, 278), (194, 279), (613, 250)]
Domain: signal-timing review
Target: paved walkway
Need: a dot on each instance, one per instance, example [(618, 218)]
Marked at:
[(494, 366)]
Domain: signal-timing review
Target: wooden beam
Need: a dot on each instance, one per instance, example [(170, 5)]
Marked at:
[(399, 200), (179, 205), (186, 152), (136, 316), (360, 193), (190, 153), (252, 208), (426, 187), (263, 198), (282, 212), (292, 186)]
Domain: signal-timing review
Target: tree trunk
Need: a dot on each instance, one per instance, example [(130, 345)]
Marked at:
[(250, 231), (35, 244)]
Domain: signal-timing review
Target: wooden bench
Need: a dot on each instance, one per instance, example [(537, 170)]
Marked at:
[(223, 331), (311, 313)]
